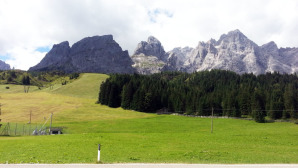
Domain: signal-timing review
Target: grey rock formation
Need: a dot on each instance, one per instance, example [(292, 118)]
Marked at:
[(57, 58), (152, 47), (275, 61), (235, 52), (149, 56), (289, 56), (176, 59), (4, 66), (99, 54), (147, 64)]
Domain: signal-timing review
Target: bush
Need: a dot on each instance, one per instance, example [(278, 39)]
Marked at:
[(74, 76)]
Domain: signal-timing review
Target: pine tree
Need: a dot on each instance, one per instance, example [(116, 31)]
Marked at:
[(258, 106), (290, 101), (104, 92), (148, 106), (245, 103), (276, 103), (127, 95), (114, 97)]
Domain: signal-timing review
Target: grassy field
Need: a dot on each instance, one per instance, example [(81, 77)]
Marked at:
[(129, 136), (88, 87)]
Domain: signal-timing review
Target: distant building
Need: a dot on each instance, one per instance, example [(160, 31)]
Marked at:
[(55, 130)]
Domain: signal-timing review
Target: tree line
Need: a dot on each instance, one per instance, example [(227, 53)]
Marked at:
[(229, 94), (39, 79)]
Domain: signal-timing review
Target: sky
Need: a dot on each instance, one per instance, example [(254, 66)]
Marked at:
[(29, 28)]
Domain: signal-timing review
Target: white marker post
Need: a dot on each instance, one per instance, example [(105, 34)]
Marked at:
[(98, 156)]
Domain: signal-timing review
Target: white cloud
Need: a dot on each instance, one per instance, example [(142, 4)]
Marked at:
[(20, 58), (28, 25)]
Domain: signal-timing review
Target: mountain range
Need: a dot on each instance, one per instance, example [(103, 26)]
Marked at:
[(233, 51)]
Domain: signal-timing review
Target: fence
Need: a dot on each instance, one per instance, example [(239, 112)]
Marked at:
[(20, 129)]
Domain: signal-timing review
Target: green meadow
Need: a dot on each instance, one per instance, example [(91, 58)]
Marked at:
[(132, 137)]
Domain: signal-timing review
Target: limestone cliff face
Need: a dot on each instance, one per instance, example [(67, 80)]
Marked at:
[(149, 56), (57, 58), (4, 66), (177, 58), (289, 57), (151, 47), (100, 54), (235, 52)]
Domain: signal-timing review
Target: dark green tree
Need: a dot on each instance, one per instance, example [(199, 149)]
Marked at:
[(290, 101), (276, 103), (26, 80), (258, 106), (127, 95), (114, 96), (245, 102)]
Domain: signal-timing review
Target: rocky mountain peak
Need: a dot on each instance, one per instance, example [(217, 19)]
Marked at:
[(212, 41), (152, 47), (270, 46), (233, 36), (96, 43), (99, 54), (62, 44), (201, 44), (55, 59), (236, 32), (4, 66), (152, 39), (270, 50), (149, 56), (57, 48)]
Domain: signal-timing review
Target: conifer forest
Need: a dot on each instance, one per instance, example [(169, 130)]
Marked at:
[(271, 95)]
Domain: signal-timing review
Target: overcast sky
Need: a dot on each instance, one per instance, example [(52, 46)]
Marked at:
[(29, 28)]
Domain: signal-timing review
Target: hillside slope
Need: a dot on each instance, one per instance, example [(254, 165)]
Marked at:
[(74, 101), (87, 86)]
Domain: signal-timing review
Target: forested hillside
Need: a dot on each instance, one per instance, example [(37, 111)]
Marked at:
[(39, 79), (229, 94)]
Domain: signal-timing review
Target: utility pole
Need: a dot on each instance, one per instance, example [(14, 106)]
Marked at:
[(30, 117), (51, 123), (212, 121)]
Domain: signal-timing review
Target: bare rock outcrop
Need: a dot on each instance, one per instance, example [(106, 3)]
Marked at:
[(149, 56), (100, 54), (4, 66)]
